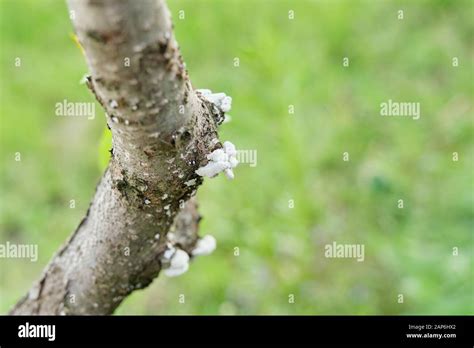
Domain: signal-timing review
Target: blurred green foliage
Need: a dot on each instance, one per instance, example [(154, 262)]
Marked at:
[(282, 62)]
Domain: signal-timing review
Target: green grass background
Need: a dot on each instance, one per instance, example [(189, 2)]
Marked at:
[(299, 62)]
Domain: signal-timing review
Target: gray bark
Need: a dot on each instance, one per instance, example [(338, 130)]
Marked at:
[(162, 131)]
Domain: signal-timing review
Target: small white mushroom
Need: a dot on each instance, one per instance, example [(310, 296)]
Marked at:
[(220, 160), (179, 264), (226, 104), (217, 156), (229, 173), (212, 169), (205, 245), (222, 101), (229, 148), (233, 162)]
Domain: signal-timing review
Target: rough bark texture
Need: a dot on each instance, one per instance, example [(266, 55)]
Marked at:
[(162, 131)]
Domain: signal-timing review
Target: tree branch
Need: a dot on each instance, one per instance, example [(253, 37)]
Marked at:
[(162, 132)]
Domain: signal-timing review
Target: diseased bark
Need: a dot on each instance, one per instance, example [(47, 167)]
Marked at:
[(162, 131)]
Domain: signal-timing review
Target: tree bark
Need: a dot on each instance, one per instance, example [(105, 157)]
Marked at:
[(162, 131)]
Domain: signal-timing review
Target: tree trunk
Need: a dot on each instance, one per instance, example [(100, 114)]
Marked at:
[(162, 132)]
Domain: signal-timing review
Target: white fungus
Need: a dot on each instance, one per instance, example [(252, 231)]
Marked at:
[(179, 264), (221, 100), (220, 160), (205, 245)]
